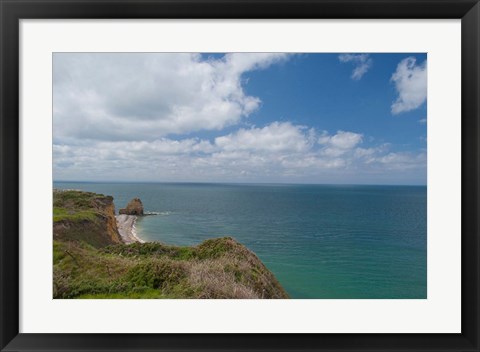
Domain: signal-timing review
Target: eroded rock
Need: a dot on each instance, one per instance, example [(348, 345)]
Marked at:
[(134, 207)]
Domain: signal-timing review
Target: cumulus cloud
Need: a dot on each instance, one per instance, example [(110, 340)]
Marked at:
[(341, 140), (279, 151), (178, 117), (362, 62), (340, 143), (136, 96), (410, 82), (275, 137), (403, 160)]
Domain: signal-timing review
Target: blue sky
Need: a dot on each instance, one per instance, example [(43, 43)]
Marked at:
[(282, 118)]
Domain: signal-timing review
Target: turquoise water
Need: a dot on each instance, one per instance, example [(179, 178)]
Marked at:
[(320, 241)]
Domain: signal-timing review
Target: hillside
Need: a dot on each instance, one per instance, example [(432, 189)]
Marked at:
[(89, 260), (84, 216)]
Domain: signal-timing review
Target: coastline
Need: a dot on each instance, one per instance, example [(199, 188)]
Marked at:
[(126, 228)]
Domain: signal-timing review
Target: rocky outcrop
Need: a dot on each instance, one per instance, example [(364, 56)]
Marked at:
[(134, 207)]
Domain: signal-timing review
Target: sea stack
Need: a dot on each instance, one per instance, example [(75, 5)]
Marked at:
[(134, 207)]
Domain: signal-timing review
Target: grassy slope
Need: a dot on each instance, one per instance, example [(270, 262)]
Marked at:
[(84, 268), (217, 268)]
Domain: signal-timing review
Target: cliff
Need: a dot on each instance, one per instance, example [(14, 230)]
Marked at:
[(84, 216), (94, 264)]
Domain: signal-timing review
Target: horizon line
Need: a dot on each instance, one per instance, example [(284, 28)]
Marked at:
[(239, 183)]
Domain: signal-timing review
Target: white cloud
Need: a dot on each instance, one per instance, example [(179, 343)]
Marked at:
[(411, 84), (365, 152), (277, 152), (139, 96), (403, 160), (423, 121), (276, 137), (370, 155), (362, 62), (342, 140), (340, 143), (131, 117)]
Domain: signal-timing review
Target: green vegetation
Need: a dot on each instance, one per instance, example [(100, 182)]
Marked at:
[(76, 199), (155, 270), (84, 216), (74, 206), (86, 266), (61, 214)]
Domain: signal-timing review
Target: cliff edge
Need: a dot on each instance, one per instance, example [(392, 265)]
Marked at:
[(84, 216), (90, 261)]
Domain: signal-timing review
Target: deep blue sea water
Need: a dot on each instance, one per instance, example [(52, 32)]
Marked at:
[(321, 241)]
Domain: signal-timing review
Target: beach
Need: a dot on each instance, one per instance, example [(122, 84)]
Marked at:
[(126, 228)]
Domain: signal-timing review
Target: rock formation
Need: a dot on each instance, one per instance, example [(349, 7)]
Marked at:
[(134, 207)]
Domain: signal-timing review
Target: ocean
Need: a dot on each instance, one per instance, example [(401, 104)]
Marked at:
[(320, 241)]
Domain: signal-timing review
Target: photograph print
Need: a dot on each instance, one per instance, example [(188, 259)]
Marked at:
[(239, 175)]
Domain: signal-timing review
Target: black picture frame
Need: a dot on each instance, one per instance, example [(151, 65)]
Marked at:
[(11, 11)]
